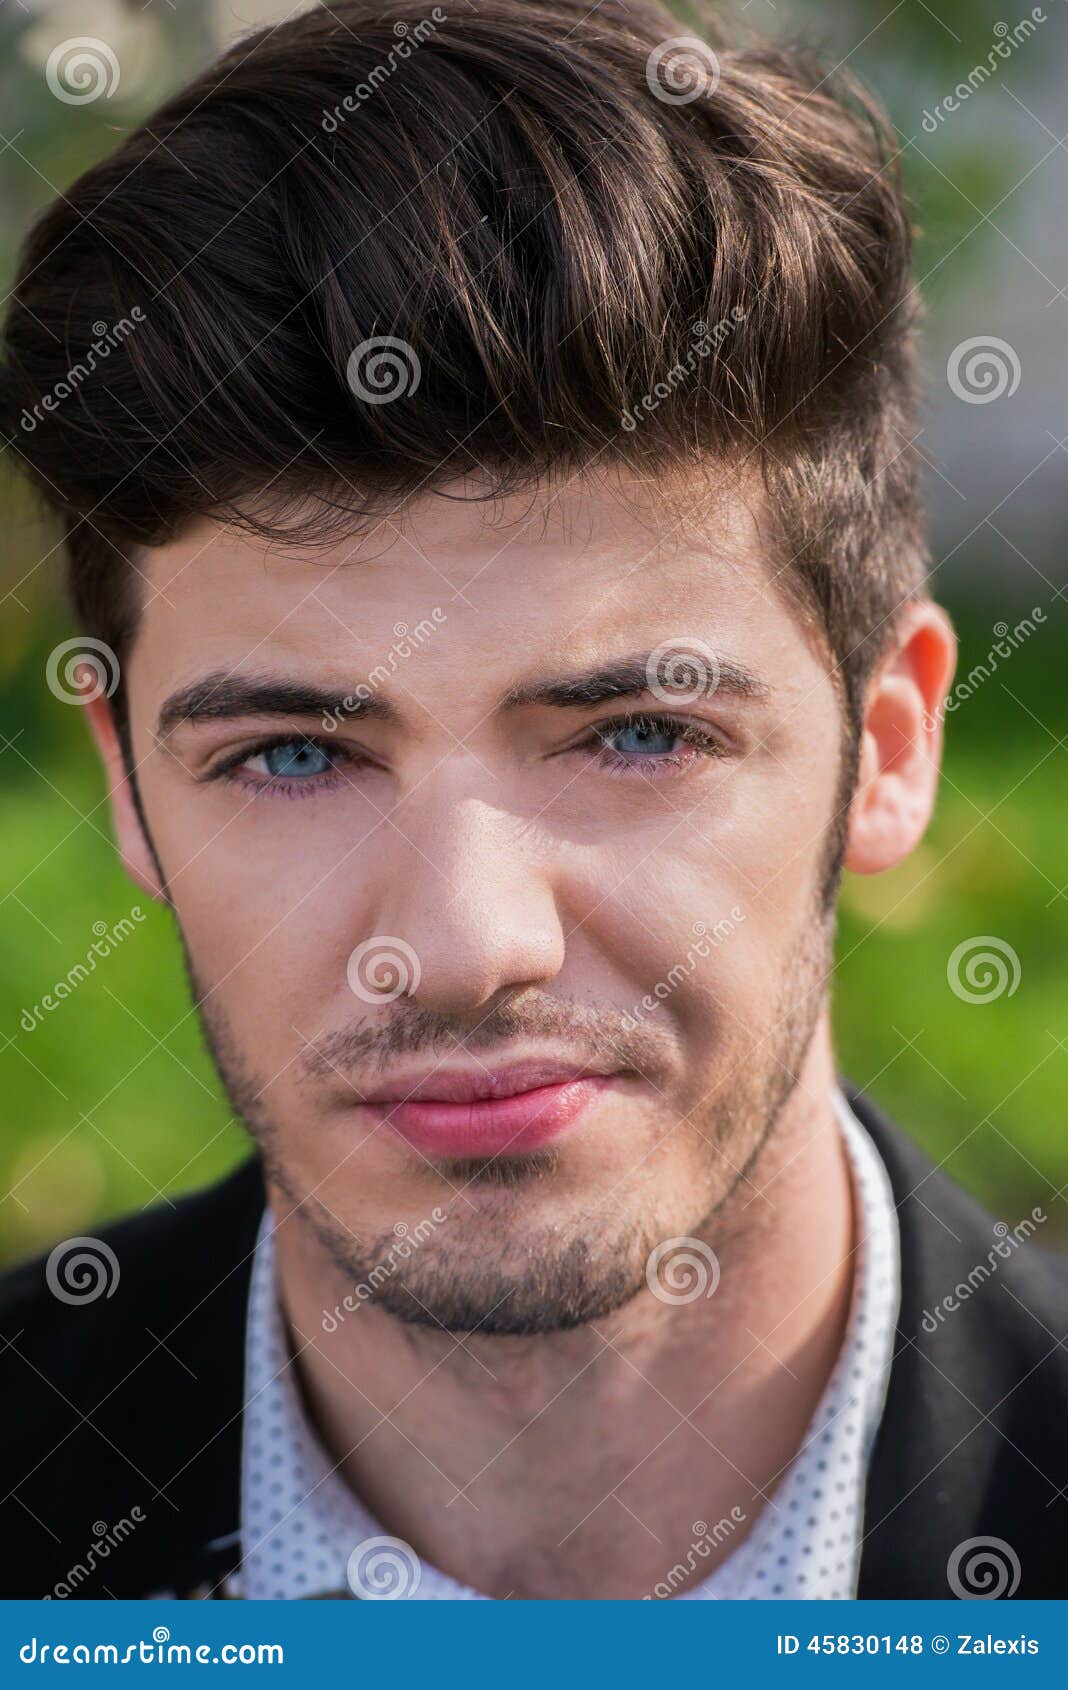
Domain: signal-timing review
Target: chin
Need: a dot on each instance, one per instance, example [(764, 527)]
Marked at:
[(550, 1294), (497, 1262)]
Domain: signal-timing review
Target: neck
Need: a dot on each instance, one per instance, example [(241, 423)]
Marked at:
[(579, 1464)]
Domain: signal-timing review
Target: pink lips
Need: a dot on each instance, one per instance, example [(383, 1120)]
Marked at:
[(482, 1113)]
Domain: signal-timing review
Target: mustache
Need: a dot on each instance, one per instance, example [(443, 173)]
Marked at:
[(601, 1037)]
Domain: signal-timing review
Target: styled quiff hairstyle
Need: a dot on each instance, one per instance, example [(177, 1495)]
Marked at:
[(593, 247)]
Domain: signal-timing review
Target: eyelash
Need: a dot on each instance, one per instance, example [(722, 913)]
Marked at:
[(272, 786), (699, 741)]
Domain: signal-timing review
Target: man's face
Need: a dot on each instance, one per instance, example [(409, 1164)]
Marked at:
[(528, 932)]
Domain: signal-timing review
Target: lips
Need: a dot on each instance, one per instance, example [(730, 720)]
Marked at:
[(486, 1112)]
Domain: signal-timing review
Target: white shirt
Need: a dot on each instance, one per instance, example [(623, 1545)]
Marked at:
[(305, 1534)]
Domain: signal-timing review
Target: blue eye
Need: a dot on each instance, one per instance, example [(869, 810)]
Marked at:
[(292, 759), (294, 767), (642, 739)]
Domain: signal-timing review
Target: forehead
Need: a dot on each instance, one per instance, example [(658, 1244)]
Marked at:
[(573, 570)]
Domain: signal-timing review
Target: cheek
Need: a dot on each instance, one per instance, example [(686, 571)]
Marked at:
[(767, 844), (699, 918), (269, 912)]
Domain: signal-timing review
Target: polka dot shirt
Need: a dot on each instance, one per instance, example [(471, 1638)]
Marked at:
[(300, 1523)]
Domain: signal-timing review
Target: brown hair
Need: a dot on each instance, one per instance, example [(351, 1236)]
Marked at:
[(582, 241)]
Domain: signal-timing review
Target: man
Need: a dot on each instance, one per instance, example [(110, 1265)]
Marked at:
[(497, 540)]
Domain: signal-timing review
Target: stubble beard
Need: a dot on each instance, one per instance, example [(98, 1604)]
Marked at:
[(485, 1271)]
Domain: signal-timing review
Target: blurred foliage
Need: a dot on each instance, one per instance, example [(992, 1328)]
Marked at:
[(111, 1098), (980, 1084)]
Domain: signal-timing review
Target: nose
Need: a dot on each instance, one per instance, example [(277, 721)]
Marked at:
[(469, 890)]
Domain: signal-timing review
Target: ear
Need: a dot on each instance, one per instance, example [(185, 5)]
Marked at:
[(901, 741), (134, 849)]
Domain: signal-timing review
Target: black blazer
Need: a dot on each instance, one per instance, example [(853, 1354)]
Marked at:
[(134, 1402)]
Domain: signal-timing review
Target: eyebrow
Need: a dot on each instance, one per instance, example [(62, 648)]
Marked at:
[(632, 677), (223, 696)]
